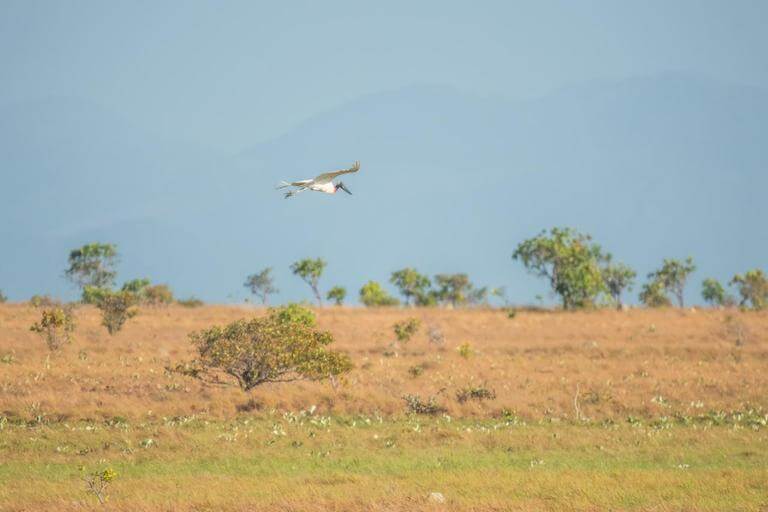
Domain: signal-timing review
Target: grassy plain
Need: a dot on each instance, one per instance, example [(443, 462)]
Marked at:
[(639, 410)]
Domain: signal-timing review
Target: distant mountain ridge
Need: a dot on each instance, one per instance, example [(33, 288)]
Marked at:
[(653, 167)]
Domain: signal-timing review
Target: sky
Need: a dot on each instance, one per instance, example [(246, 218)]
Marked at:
[(239, 84), (227, 75)]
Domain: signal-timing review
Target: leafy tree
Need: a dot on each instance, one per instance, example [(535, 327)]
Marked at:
[(136, 286), (372, 294), (714, 293), (55, 326), (93, 265), (280, 347), (116, 309), (412, 285), (569, 260), (337, 294), (478, 295), (672, 276), (753, 288), (617, 278), (309, 271), (653, 295), (455, 289), (262, 284)]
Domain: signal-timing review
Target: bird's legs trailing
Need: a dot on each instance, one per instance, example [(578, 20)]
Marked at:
[(295, 191)]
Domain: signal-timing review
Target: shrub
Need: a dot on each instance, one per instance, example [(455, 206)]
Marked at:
[(453, 289), (337, 294), (617, 278), (116, 309), (3, 298), (569, 260), (416, 405), (96, 483), (282, 347), (753, 288), (372, 294), (476, 393), (55, 326), (406, 329), (416, 370), (653, 296), (714, 293), (261, 284), (191, 302), (157, 295), (42, 301), (94, 294), (465, 350), (136, 286)]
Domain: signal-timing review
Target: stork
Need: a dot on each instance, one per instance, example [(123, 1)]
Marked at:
[(322, 183)]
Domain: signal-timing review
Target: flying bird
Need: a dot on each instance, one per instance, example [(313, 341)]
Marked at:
[(323, 183)]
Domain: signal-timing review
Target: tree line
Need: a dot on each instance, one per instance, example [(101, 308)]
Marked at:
[(578, 270)]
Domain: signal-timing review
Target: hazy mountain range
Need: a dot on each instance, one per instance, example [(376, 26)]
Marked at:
[(664, 166)]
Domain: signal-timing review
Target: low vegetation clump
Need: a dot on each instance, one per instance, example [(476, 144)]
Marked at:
[(55, 326), (3, 298), (405, 330), (474, 393), (116, 309), (372, 294), (416, 405), (97, 482), (191, 302), (337, 294), (282, 347), (465, 350)]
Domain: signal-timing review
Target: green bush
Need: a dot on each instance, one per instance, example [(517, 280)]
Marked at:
[(281, 347), (3, 298), (337, 294), (475, 393), (191, 302), (406, 329), (670, 278), (157, 295), (416, 405), (412, 285), (714, 293), (116, 309), (372, 294), (94, 294)]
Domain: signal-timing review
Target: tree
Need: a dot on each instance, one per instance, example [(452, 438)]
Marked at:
[(453, 288), (617, 278), (116, 309), (337, 294), (262, 284), (753, 288), (411, 284), (281, 347), (136, 286), (569, 260), (714, 293), (309, 271), (93, 265), (372, 294), (672, 276), (3, 298), (157, 295)]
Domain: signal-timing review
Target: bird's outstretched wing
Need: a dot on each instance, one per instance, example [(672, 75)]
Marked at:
[(328, 176), (301, 183)]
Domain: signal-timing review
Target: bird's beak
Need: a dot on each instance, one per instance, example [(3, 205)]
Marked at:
[(345, 189)]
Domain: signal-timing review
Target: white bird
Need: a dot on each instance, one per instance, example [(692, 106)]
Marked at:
[(323, 183)]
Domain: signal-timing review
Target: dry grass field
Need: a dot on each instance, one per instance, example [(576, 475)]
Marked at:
[(637, 410)]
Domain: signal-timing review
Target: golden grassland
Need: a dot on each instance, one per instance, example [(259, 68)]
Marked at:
[(599, 410)]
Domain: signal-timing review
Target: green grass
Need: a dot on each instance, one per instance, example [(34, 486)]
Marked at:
[(303, 462)]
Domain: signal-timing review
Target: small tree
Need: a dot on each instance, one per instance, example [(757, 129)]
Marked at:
[(262, 284), (93, 265), (411, 284), (753, 288), (116, 309), (337, 294), (713, 293), (3, 298), (281, 347), (136, 286), (569, 260), (673, 275), (309, 271), (454, 289), (617, 278), (372, 294), (157, 295), (55, 326), (653, 295)]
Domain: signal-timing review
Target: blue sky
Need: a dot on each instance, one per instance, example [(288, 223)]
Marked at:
[(166, 124), (230, 74)]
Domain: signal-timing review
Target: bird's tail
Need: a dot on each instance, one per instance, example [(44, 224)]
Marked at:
[(283, 184)]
